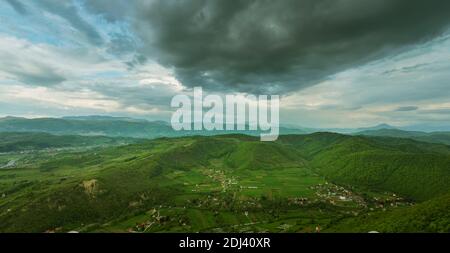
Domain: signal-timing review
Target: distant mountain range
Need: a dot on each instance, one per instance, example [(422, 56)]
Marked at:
[(112, 127), (355, 130), (434, 137), (103, 118), (141, 128), (90, 125)]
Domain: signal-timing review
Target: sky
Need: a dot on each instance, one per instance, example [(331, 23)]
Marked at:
[(335, 63)]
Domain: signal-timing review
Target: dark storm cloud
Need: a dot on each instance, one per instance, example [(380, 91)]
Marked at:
[(258, 45), (280, 46), (406, 108), (18, 6)]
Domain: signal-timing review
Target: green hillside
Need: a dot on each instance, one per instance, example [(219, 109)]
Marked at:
[(429, 216), (231, 183), (106, 126), (13, 141), (413, 169)]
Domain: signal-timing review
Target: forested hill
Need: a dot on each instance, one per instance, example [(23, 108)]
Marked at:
[(414, 169), (219, 183), (29, 141)]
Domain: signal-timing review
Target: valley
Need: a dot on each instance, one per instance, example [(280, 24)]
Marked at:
[(229, 183)]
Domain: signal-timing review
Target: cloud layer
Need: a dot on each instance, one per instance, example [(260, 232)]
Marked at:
[(280, 46), (336, 62)]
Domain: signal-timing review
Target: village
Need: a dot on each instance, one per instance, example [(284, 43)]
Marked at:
[(223, 192), (338, 195)]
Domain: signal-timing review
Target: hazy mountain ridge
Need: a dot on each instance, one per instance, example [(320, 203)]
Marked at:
[(93, 125), (433, 137), (140, 128), (29, 141), (113, 127)]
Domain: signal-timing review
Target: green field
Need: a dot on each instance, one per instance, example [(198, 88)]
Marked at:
[(233, 183)]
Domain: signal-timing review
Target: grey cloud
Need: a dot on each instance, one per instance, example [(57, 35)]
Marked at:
[(111, 10), (68, 11), (132, 95), (407, 69), (261, 47), (43, 77), (121, 44), (137, 60), (444, 111), (18, 6), (29, 66), (406, 108), (280, 46), (334, 107)]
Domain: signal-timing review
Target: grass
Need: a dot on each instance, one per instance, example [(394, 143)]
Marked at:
[(225, 184)]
